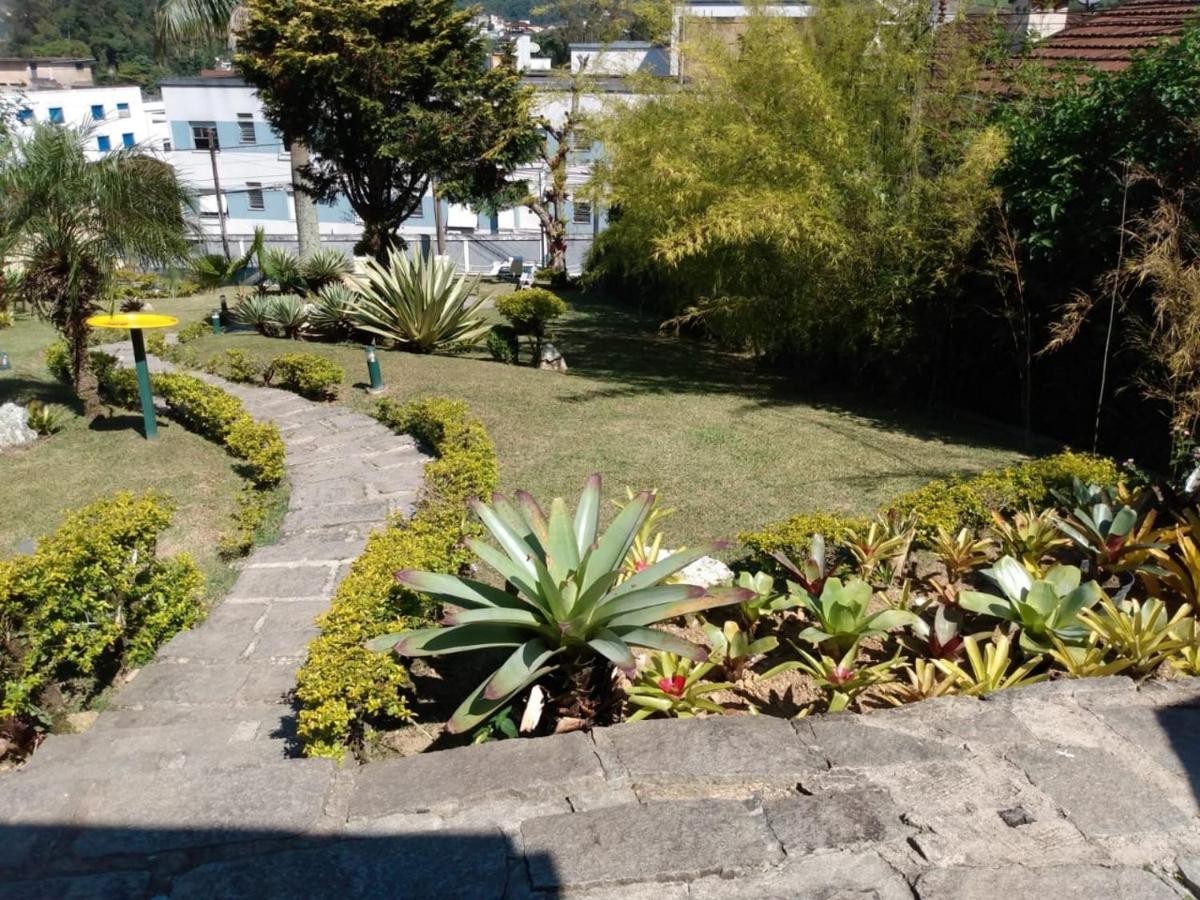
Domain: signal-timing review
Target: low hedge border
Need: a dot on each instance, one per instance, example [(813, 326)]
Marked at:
[(951, 504), (343, 687), (92, 600)]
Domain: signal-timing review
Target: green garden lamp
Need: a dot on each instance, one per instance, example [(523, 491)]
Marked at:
[(373, 371), (137, 322)]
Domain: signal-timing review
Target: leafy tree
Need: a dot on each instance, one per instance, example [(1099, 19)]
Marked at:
[(812, 193), (66, 220), (387, 94), (604, 21)]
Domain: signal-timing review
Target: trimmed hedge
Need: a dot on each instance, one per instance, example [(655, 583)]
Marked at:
[(951, 504), (213, 413), (343, 686), (306, 374), (91, 600)]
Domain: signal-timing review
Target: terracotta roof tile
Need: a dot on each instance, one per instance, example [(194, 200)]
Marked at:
[(1108, 39)]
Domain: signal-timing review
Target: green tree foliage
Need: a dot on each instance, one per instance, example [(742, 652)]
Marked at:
[(387, 94), (811, 192), (118, 33), (604, 21), (66, 220), (1100, 188)]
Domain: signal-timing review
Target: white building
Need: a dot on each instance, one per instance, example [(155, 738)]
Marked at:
[(620, 58), (113, 116)]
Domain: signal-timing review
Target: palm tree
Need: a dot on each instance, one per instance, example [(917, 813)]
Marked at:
[(180, 21), (67, 219)]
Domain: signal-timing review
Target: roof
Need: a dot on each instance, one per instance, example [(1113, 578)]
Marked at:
[(1108, 40), (54, 60), (614, 45), (219, 81)]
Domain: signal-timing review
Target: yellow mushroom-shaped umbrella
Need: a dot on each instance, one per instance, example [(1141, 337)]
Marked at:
[(136, 323)]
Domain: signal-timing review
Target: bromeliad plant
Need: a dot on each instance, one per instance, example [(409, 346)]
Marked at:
[(765, 598), (1116, 539), (1040, 608), (1029, 537), (884, 546), (1139, 632), (841, 615), (988, 671), (732, 649), (571, 617), (844, 680), (810, 575), (962, 552), (673, 685)]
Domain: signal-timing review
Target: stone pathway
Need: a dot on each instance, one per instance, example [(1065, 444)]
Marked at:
[(1069, 789)]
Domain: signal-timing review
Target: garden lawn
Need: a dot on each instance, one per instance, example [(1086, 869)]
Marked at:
[(730, 447), (43, 482)]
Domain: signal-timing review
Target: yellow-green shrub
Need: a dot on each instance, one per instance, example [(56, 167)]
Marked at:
[(342, 685), (967, 503), (793, 536), (307, 374), (951, 503), (93, 598)]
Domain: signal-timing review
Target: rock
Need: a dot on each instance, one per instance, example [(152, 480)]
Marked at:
[(82, 721), (14, 426), (551, 359), (706, 572)]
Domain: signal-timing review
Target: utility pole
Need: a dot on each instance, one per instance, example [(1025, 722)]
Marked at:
[(212, 155), (308, 230)]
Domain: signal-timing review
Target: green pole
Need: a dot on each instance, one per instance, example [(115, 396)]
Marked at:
[(373, 371), (143, 377)]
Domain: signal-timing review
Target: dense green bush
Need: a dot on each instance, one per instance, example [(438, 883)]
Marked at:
[(307, 374), (91, 600), (950, 504), (58, 362), (258, 508), (343, 686), (236, 365), (529, 311), (502, 343), (192, 331)]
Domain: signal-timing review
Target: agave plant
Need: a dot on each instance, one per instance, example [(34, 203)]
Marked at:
[(1030, 537), (256, 311), (288, 314), (323, 268), (331, 312), (214, 270), (673, 685), (1040, 608), (570, 615), (842, 618), (419, 302), (989, 670), (282, 268)]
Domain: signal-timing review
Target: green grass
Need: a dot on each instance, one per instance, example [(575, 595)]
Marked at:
[(85, 461), (730, 447)]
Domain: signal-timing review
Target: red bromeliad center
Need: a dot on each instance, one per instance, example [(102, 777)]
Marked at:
[(640, 565), (673, 685), (841, 675)]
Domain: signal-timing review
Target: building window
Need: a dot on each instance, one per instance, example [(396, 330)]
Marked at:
[(167, 145), (123, 110), (583, 213), (56, 116), (246, 127), (103, 144), (25, 116), (127, 139), (98, 112), (254, 195), (204, 135)]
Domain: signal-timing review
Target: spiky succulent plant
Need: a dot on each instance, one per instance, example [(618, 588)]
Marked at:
[(569, 608)]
